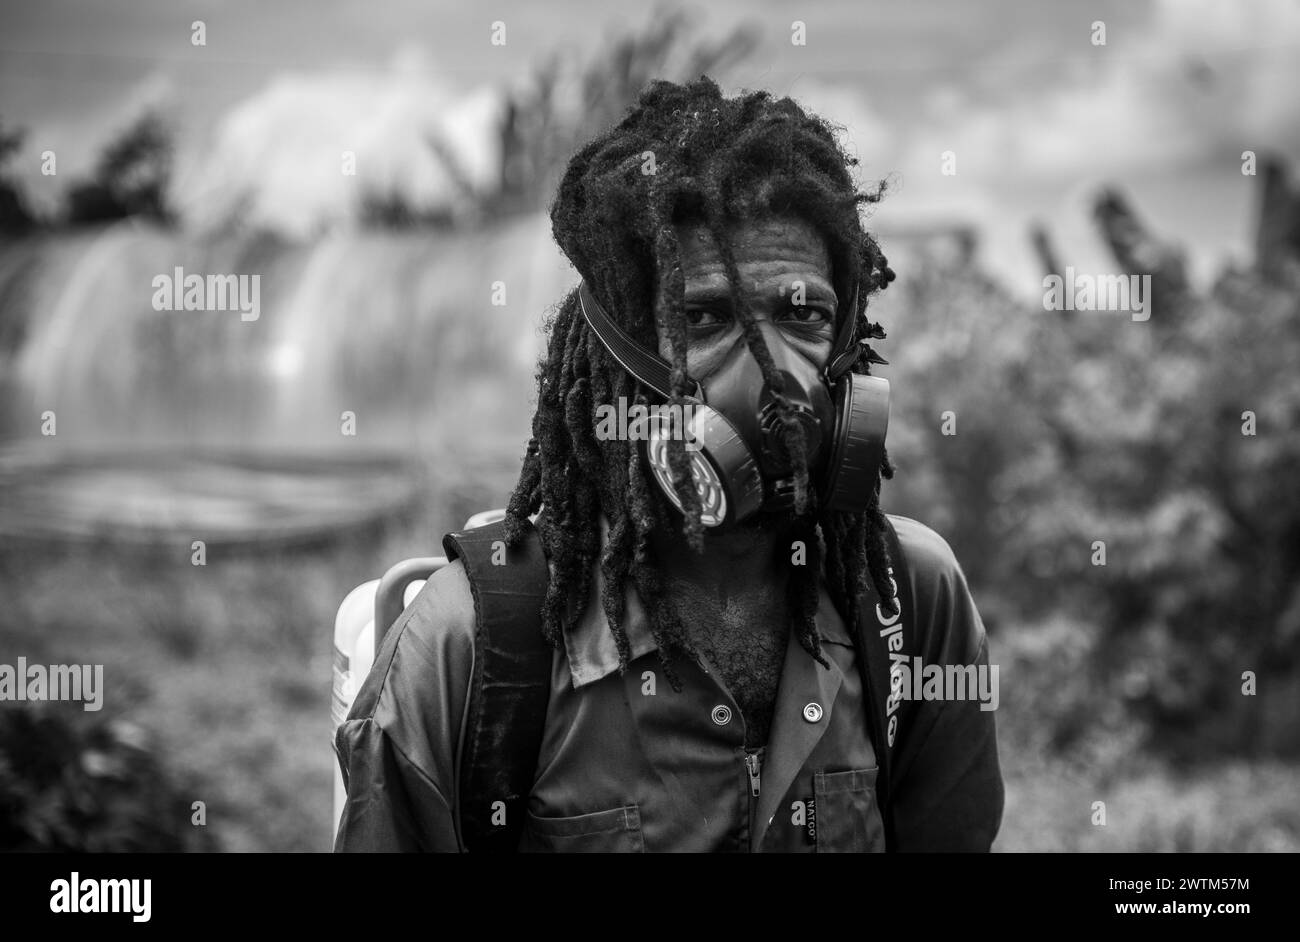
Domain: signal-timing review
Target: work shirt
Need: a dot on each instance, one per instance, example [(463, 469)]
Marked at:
[(629, 764)]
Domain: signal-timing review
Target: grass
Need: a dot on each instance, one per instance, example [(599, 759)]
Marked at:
[(228, 667)]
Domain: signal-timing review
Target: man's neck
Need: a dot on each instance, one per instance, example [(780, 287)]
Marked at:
[(743, 561), (732, 600)]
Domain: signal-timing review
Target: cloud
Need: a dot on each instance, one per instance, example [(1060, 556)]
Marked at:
[(1164, 109), (1201, 79), (276, 159)]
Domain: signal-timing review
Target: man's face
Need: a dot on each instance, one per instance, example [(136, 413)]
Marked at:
[(773, 255)]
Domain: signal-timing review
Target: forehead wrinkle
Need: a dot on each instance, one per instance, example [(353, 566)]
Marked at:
[(769, 254)]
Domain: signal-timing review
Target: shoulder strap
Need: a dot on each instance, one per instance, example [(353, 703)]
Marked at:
[(885, 642), (509, 688)]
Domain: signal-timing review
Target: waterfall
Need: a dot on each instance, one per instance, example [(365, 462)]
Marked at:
[(367, 345), (398, 329)]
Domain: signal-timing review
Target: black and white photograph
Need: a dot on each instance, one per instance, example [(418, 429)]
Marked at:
[(584, 427)]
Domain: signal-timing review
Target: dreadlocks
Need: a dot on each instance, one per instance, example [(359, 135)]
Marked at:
[(683, 152)]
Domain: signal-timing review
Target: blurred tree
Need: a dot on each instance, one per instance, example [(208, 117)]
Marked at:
[(1187, 463), (968, 432), (566, 102), (391, 209), (130, 178), (15, 219), (1172, 442), (569, 101), (1138, 251), (1277, 239), (78, 782)]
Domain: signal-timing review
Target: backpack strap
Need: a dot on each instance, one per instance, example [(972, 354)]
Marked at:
[(885, 640), (509, 688)]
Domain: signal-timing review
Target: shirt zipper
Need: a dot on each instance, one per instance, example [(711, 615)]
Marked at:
[(753, 765)]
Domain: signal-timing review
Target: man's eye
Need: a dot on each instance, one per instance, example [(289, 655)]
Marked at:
[(705, 317), (808, 315)]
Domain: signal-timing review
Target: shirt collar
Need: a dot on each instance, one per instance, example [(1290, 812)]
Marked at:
[(590, 646)]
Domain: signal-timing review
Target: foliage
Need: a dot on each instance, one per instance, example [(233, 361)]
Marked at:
[(1079, 428), (392, 209), (131, 177), (566, 102), (72, 781), (15, 219)]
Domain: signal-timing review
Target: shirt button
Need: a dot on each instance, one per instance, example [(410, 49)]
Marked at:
[(812, 712), (722, 714)]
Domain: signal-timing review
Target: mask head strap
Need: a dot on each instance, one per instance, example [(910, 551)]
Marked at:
[(647, 367), (845, 351)]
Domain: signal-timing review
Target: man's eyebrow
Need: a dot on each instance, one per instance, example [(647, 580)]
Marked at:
[(813, 291), (708, 292)]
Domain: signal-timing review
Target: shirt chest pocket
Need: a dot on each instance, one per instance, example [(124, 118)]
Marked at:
[(615, 831), (848, 818)]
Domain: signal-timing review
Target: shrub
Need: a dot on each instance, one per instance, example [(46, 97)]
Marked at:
[(74, 781)]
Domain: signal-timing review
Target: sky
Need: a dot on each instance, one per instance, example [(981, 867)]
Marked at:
[(1037, 116)]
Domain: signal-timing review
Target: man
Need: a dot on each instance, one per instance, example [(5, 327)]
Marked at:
[(713, 598)]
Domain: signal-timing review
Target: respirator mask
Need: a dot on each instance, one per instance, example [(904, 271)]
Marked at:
[(734, 425)]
